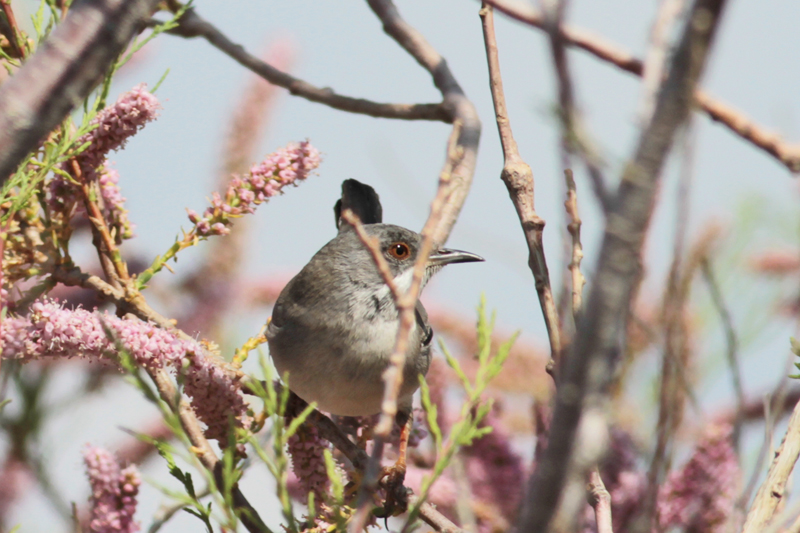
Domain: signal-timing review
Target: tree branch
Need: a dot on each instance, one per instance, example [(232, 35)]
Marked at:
[(773, 489), (588, 367), (460, 163), (62, 73), (601, 48), (193, 25), (518, 178)]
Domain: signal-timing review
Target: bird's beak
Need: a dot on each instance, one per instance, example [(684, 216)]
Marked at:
[(445, 256)]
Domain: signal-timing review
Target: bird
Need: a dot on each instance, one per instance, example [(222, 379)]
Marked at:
[(334, 326)]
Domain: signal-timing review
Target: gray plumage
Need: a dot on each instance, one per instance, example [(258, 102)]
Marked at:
[(334, 326)]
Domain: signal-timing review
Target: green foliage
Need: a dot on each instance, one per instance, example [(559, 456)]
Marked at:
[(474, 409), (795, 350), (189, 500), (277, 462)]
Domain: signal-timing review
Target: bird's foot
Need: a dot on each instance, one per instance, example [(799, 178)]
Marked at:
[(391, 480)]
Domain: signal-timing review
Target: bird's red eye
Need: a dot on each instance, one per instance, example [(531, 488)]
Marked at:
[(399, 250)]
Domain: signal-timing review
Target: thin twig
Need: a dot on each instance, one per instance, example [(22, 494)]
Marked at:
[(601, 48), (589, 365), (62, 72), (772, 490), (15, 36), (600, 500), (462, 148), (599, 497), (106, 247), (674, 385), (406, 304), (731, 343), (574, 227), (518, 178), (193, 25)]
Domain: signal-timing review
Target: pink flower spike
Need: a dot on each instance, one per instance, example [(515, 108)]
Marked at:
[(116, 124), (288, 165), (702, 495), (306, 448), (114, 492)]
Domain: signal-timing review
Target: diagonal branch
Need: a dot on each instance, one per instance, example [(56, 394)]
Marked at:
[(601, 48), (62, 72), (773, 490), (193, 25), (460, 163), (588, 367)]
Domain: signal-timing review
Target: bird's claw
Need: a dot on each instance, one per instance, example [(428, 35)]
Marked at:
[(396, 493)]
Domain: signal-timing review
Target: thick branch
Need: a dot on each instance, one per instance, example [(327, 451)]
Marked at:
[(588, 367), (63, 72), (788, 154), (192, 25)]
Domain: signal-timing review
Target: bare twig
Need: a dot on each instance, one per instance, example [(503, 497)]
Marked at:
[(518, 178), (600, 500), (193, 25), (731, 342), (574, 227), (588, 368), (406, 304), (772, 490), (745, 128), (674, 385), (15, 36), (454, 107), (463, 145), (62, 72)]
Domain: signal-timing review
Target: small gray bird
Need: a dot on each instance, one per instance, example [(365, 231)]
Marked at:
[(334, 325)]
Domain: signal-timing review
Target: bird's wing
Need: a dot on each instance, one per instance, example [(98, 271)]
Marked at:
[(422, 321)]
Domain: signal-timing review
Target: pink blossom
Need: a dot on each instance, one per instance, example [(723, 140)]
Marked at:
[(49, 330), (287, 166), (216, 395), (701, 495), (114, 203), (116, 124), (495, 471), (114, 491), (306, 449)]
